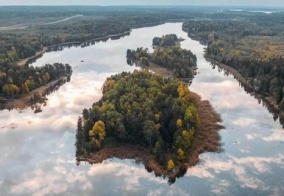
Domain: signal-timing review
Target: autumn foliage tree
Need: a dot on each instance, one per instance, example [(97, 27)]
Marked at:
[(97, 134), (144, 109)]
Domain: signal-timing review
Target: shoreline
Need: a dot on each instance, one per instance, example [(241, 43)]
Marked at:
[(26, 61), (270, 103), (24, 100), (46, 48)]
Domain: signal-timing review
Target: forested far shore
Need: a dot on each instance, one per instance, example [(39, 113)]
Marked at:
[(147, 111), (254, 49), (39, 31)]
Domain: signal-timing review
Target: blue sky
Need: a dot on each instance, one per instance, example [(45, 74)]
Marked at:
[(144, 2)]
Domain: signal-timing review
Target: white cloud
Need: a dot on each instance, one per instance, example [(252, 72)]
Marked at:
[(277, 135), (244, 121), (242, 169)]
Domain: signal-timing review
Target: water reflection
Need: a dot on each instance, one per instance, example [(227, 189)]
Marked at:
[(261, 98), (37, 100), (60, 47), (38, 153)]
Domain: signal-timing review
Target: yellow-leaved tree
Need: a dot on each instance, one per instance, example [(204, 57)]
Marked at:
[(179, 123), (180, 154), (98, 133), (170, 165)]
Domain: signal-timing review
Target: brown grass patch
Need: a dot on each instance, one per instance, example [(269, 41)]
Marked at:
[(206, 138)]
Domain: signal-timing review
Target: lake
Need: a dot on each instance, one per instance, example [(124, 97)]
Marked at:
[(38, 152)]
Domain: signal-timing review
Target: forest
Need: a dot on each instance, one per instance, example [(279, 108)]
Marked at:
[(144, 109), (27, 30), (166, 40), (252, 47), (16, 80), (180, 61)]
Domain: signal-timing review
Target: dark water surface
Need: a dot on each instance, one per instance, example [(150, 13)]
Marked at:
[(38, 154)]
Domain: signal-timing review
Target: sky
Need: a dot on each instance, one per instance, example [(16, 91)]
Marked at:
[(145, 2)]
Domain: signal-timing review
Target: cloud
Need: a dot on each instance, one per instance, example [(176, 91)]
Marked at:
[(242, 169), (277, 135), (244, 121)]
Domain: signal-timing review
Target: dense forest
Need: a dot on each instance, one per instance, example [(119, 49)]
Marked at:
[(142, 109), (166, 40), (252, 47), (180, 61), (36, 29), (16, 46), (26, 30), (16, 80)]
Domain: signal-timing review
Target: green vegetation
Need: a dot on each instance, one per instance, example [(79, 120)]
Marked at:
[(166, 40), (253, 47), (142, 109), (36, 27), (24, 31), (16, 80), (180, 61), (234, 36)]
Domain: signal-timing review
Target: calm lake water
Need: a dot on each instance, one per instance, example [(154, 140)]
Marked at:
[(38, 152)]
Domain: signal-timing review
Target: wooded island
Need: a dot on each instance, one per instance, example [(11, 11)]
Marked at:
[(168, 55), (150, 118)]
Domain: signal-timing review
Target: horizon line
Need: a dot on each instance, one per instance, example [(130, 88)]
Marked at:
[(116, 5)]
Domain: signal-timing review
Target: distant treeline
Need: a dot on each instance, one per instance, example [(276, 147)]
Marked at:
[(250, 46)]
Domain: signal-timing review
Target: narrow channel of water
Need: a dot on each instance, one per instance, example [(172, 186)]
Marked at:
[(38, 153)]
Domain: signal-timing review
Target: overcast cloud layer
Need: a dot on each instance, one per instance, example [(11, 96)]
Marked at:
[(145, 2)]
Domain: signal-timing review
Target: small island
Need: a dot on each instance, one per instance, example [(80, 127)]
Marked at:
[(153, 119), (168, 40), (168, 58)]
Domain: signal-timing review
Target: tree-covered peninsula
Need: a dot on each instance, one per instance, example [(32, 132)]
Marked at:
[(150, 118), (22, 85), (180, 62)]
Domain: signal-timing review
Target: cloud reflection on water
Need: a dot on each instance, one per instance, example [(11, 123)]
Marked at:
[(245, 170), (38, 155)]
